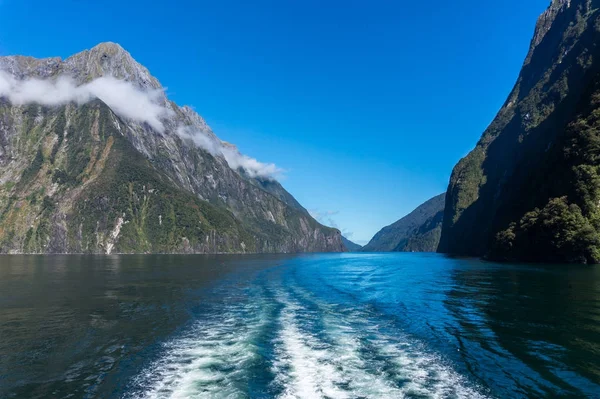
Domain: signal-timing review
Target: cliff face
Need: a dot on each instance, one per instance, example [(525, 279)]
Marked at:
[(530, 188), (419, 231), (103, 162)]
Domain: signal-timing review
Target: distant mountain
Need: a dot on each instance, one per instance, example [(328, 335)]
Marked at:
[(350, 246), (419, 231), (531, 187), (94, 158)]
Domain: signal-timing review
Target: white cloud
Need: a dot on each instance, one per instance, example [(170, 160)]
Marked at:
[(122, 97), (234, 158), (325, 218), (253, 167), (348, 234), (128, 102)]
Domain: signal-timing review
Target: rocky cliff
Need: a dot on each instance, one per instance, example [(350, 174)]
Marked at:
[(531, 187), (94, 158)]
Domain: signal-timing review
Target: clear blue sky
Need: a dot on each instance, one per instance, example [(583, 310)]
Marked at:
[(366, 104)]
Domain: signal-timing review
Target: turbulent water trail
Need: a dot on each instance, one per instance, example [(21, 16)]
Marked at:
[(278, 339), (213, 358), (369, 362)]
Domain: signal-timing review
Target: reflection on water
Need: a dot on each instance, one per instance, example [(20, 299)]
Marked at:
[(539, 326), (81, 324), (336, 326)]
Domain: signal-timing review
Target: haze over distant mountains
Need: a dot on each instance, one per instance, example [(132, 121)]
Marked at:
[(419, 231), (94, 158), (351, 246)]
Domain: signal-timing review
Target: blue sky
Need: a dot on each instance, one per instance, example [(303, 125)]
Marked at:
[(367, 105)]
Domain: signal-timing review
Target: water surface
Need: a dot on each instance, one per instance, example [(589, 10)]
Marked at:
[(309, 326)]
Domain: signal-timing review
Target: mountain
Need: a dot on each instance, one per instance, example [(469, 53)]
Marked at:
[(350, 246), (94, 158), (531, 187), (419, 231)]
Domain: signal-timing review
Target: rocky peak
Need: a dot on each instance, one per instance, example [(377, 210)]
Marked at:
[(546, 20), (109, 59), (105, 59), (22, 67)]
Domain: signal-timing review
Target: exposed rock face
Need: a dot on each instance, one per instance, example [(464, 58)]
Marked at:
[(87, 175), (530, 188), (419, 231), (545, 22)]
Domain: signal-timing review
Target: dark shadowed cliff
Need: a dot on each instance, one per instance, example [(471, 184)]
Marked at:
[(531, 187)]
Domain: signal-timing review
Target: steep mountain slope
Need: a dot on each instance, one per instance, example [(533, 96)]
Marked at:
[(103, 162), (418, 231), (350, 246), (531, 187)]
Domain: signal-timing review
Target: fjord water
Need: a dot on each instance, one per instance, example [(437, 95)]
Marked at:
[(308, 326)]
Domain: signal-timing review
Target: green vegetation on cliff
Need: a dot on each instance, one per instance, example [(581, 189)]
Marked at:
[(530, 189), (108, 197), (80, 177)]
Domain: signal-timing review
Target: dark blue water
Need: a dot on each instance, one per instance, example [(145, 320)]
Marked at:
[(312, 326)]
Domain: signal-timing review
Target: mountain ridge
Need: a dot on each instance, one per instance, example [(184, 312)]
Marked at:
[(351, 246), (418, 231), (102, 100)]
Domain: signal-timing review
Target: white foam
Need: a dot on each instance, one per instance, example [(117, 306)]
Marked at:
[(325, 370), (412, 370), (320, 350), (210, 361), (303, 365)]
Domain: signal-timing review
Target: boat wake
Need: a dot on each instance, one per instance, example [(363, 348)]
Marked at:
[(282, 341)]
